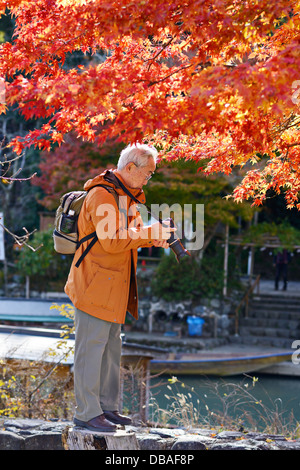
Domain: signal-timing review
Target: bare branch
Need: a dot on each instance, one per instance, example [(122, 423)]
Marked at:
[(22, 240)]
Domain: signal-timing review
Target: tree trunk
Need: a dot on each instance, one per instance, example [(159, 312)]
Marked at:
[(83, 439)]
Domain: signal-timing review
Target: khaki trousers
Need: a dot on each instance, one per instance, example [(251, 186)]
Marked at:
[(97, 363)]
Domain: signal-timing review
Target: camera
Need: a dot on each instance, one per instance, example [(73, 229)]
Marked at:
[(176, 245)]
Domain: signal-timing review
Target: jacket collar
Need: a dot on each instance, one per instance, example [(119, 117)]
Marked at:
[(112, 175), (109, 177)]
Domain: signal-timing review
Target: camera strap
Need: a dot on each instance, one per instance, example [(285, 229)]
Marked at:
[(174, 239), (121, 185)]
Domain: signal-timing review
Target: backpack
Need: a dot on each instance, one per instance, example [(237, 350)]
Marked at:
[(65, 234)]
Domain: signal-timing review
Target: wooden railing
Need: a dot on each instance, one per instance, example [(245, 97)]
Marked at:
[(245, 300)]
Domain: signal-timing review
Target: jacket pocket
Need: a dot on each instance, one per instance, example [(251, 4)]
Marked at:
[(103, 289)]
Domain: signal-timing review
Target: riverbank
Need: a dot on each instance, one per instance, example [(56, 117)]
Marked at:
[(34, 434)]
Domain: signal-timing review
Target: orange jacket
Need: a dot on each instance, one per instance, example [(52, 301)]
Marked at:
[(104, 285)]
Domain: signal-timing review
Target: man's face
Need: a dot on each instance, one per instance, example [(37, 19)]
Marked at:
[(140, 175)]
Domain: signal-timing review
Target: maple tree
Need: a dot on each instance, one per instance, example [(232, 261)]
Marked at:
[(216, 82), (66, 168), (69, 166)]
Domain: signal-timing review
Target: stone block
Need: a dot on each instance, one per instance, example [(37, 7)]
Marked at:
[(148, 442), (44, 441), (192, 442), (243, 444), (11, 441), (230, 435)]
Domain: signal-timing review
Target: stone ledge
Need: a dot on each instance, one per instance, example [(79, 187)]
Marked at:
[(27, 434)]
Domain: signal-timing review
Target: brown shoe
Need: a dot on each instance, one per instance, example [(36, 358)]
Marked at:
[(97, 424), (115, 417)]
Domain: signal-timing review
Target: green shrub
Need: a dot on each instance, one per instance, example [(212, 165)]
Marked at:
[(44, 265), (176, 281), (192, 279)]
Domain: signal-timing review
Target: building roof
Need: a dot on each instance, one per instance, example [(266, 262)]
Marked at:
[(31, 310), (35, 348)]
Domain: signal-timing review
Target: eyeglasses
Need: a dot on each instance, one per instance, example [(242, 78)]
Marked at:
[(148, 177)]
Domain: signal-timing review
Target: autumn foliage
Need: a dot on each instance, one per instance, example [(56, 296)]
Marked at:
[(216, 82)]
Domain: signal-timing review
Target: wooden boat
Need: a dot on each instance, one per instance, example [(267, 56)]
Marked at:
[(29, 343), (220, 364), (39, 345)]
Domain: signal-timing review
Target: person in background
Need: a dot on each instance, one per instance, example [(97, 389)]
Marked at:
[(281, 260)]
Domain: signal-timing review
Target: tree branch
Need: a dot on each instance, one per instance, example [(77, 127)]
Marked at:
[(22, 240), (159, 52)]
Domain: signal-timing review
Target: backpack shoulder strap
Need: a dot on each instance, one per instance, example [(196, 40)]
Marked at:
[(93, 235), (108, 188), (90, 245)]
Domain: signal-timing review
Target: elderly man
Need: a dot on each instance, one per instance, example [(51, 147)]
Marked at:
[(104, 287)]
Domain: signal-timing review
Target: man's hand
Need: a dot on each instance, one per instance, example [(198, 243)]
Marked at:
[(163, 231), (161, 243)]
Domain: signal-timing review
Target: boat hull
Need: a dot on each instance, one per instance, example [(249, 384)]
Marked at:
[(216, 365)]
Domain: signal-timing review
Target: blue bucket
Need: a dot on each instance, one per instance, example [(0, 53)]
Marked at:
[(195, 325)]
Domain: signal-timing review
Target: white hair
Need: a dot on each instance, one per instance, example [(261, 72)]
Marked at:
[(138, 154)]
